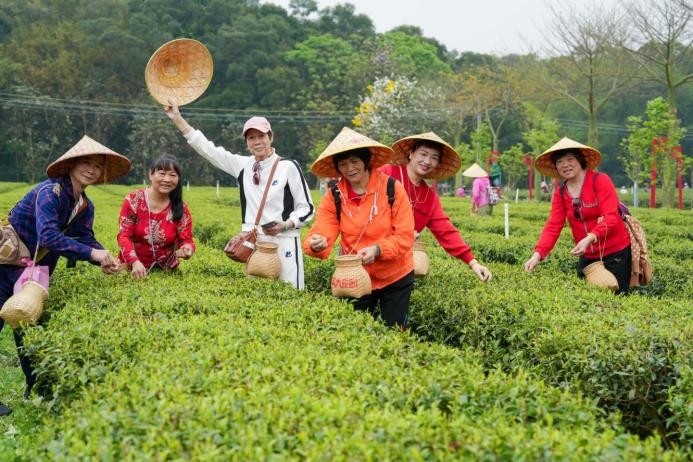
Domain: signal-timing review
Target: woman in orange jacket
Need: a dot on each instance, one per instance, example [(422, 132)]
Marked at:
[(374, 223)]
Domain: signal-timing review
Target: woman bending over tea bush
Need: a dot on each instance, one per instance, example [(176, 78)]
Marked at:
[(56, 217), (590, 203)]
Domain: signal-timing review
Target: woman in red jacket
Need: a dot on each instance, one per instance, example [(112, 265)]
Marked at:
[(371, 226), (424, 156), (589, 201)]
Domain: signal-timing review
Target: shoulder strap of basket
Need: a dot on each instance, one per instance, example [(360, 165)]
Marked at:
[(264, 195)]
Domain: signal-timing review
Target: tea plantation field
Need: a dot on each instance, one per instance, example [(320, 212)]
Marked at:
[(207, 364)]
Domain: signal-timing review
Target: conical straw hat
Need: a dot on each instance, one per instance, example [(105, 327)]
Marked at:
[(115, 166), (181, 70), (475, 171), (348, 140), (544, 165), (449, 164)]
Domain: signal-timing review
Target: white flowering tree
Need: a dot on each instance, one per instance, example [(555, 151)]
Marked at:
[(395, 107)]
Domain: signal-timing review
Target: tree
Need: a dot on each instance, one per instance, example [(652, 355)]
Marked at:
[(341, 20), (303, 8), (395, 108), (638, 148), (399, 53), (541, 134), (331, 70), (663, 43), (495, 92), (514, 169), (587, 65)]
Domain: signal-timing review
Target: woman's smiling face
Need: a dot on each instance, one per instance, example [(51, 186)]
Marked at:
[(424, 160), (568, 166), (87, 170), (353, 169)]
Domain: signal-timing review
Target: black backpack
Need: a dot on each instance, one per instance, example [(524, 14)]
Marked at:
[(338, 202)]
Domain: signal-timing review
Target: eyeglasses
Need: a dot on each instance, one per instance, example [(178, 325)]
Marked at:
[(577, 208), (256, 173)]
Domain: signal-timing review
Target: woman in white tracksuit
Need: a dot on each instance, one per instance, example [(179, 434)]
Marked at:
[(288, 206)]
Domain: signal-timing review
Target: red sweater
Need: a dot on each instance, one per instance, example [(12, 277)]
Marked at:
[(428, 212), (598, 200)]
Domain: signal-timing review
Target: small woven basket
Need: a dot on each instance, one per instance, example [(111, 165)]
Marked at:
[(350, 279), (597, 275), (26, 306), (264, 262), (422, 264), (181, 70)]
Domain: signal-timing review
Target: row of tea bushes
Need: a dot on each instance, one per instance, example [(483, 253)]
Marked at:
[(241, 369), (632, 354)]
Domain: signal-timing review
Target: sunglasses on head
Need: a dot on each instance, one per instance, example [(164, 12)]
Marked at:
[(256, 173), (577, 208)]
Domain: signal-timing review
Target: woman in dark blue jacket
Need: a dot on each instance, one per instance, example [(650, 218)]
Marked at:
[(57, 216)]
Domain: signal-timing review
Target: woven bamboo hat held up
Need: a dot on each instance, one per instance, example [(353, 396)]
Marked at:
[(180, 70), (115, 165), (348, 140), (475, 171), (449, 163), (544, 164)]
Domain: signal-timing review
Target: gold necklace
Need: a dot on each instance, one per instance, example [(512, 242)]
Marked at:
[(408, 185)]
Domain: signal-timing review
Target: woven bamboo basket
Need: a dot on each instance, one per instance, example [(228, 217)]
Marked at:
[(597, 275), (350, 279), (422, 264), (264, 262), (181, 70), (26, 306)]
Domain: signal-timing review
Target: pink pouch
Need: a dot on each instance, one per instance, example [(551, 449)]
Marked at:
[(41, 276)]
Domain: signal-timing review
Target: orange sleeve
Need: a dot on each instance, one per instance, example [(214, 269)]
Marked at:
[(401, 241), (326, 224)]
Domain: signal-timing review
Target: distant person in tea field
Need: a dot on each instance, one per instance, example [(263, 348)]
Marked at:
[(55, 219), (155, 224), (423, 156), (289, 205), (590, 203), (480, 191), (372, 214)]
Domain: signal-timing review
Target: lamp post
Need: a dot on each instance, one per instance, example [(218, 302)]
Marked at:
[(528, 160)]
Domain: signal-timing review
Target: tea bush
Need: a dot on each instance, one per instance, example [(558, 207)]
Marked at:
[(632, 354), (206, 364), (251, 371)]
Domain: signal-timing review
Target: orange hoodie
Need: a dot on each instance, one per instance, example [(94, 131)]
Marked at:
[(392, 228)]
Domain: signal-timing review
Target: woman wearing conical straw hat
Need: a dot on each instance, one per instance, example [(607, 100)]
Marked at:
[(423, 156), (56, 217), (481, 189), (372, 215), (590, 203), (288, 206)]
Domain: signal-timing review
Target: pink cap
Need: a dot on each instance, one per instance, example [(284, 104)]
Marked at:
[(258, 123)]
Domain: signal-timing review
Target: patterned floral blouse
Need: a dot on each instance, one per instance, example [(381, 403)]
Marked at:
[(151, 237)]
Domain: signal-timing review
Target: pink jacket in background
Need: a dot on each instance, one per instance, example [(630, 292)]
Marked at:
[(480, 191)]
